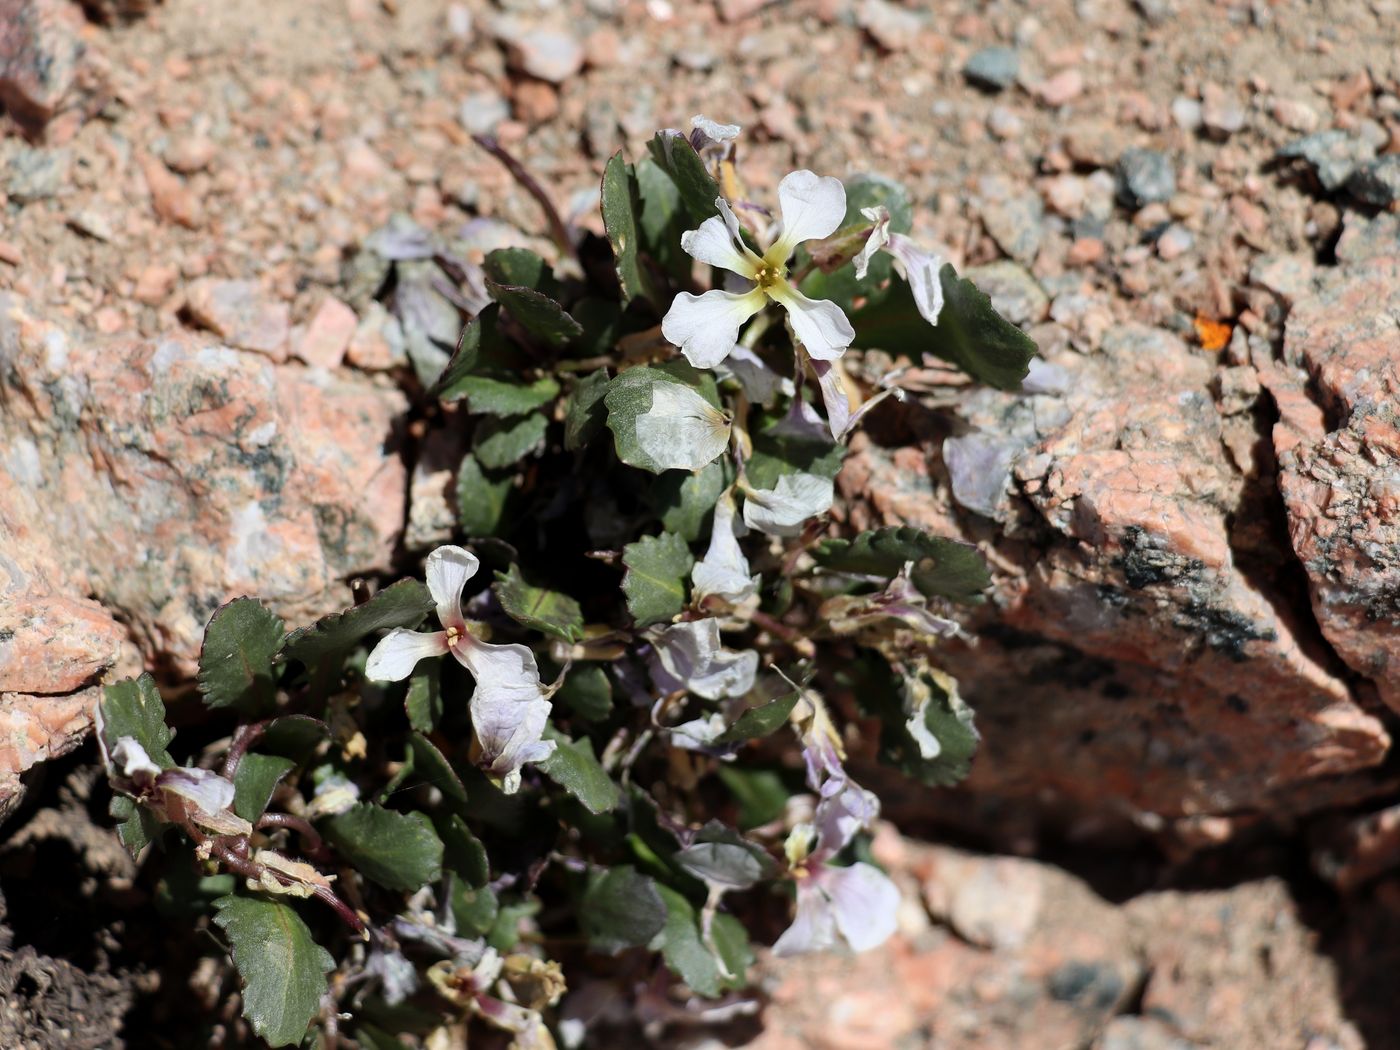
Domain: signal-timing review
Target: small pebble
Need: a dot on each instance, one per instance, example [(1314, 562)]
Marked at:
[(1186, 112), (1003, 123), (1175, 241), (993, 68), (1061, 88), (1377, 182), (1145, 176)]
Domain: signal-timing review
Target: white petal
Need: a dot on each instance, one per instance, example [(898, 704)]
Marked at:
[(399, 651), (838, 402), (689, 656), (706, 327), (819, 323), (718, 132), (813, 928), (448, 570), (209, 792), (724, 571), (812, 207), (921, 271), (781, 511), (864, 903), (717, 242), (698, 734), (879, 237), (131, 758), (509, 710), (681, 430)]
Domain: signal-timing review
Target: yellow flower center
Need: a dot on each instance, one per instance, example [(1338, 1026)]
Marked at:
[(766, 275), (452, 635)]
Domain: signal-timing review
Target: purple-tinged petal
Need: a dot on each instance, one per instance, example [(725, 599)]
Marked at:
[(921, 271), (509, 710), (863, 902), (813, 927), (690, 656), (131, 759)]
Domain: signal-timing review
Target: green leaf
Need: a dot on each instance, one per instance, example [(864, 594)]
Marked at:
[(371, 1038), (675, 155), (586, 692), (586, 412), (621, 909), (282, 969), (402, 604), (137, 826), (521, 282), (776, 453), (620, 206), (133, 707), (498, 442), (758, 721), (657, 568), (256, 779), (431, 766), (482, 499), (690, 958), (503, 395), (630, 396), (235, 661), (294, 737), (926, 730), (573, 767), (735, 864), (480, 346), (463, 852), (969, 334), (474, 908), (423, 701), (761, 794), (943, 567), (522, 268), (662, 219), (543, 610), (400, 851), (684, 501)]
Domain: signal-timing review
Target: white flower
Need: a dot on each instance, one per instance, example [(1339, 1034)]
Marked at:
[(509, 709), (781, 511), (689, 656), (130, 757), (920, 267), (724, 571), (858, 904), (706, 327), (713, 130), (681, 430)]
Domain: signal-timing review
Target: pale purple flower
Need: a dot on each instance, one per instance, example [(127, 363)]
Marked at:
[(509, 708), (689, 656), (180, 793), (706, 327), (857, 904), (785, 508)]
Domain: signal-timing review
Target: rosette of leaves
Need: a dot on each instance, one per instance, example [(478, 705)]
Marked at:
[(603, 472)]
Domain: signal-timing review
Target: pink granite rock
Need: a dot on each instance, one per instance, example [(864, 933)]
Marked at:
[(241, 314), (180, 474), (1144, 651), (40, 55), (1339, 464)]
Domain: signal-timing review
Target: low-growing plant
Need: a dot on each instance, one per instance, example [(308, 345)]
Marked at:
[(609, 735)]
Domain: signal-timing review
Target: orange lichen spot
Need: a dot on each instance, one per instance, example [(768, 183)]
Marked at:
[(1212, 334)]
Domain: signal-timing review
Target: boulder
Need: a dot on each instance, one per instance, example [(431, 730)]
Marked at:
[(1147, 649), (1338, 445), (176, 474)]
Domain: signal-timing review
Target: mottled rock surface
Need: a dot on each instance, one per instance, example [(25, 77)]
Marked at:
[(1339, 462), (1143, 593), (180, 474)]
